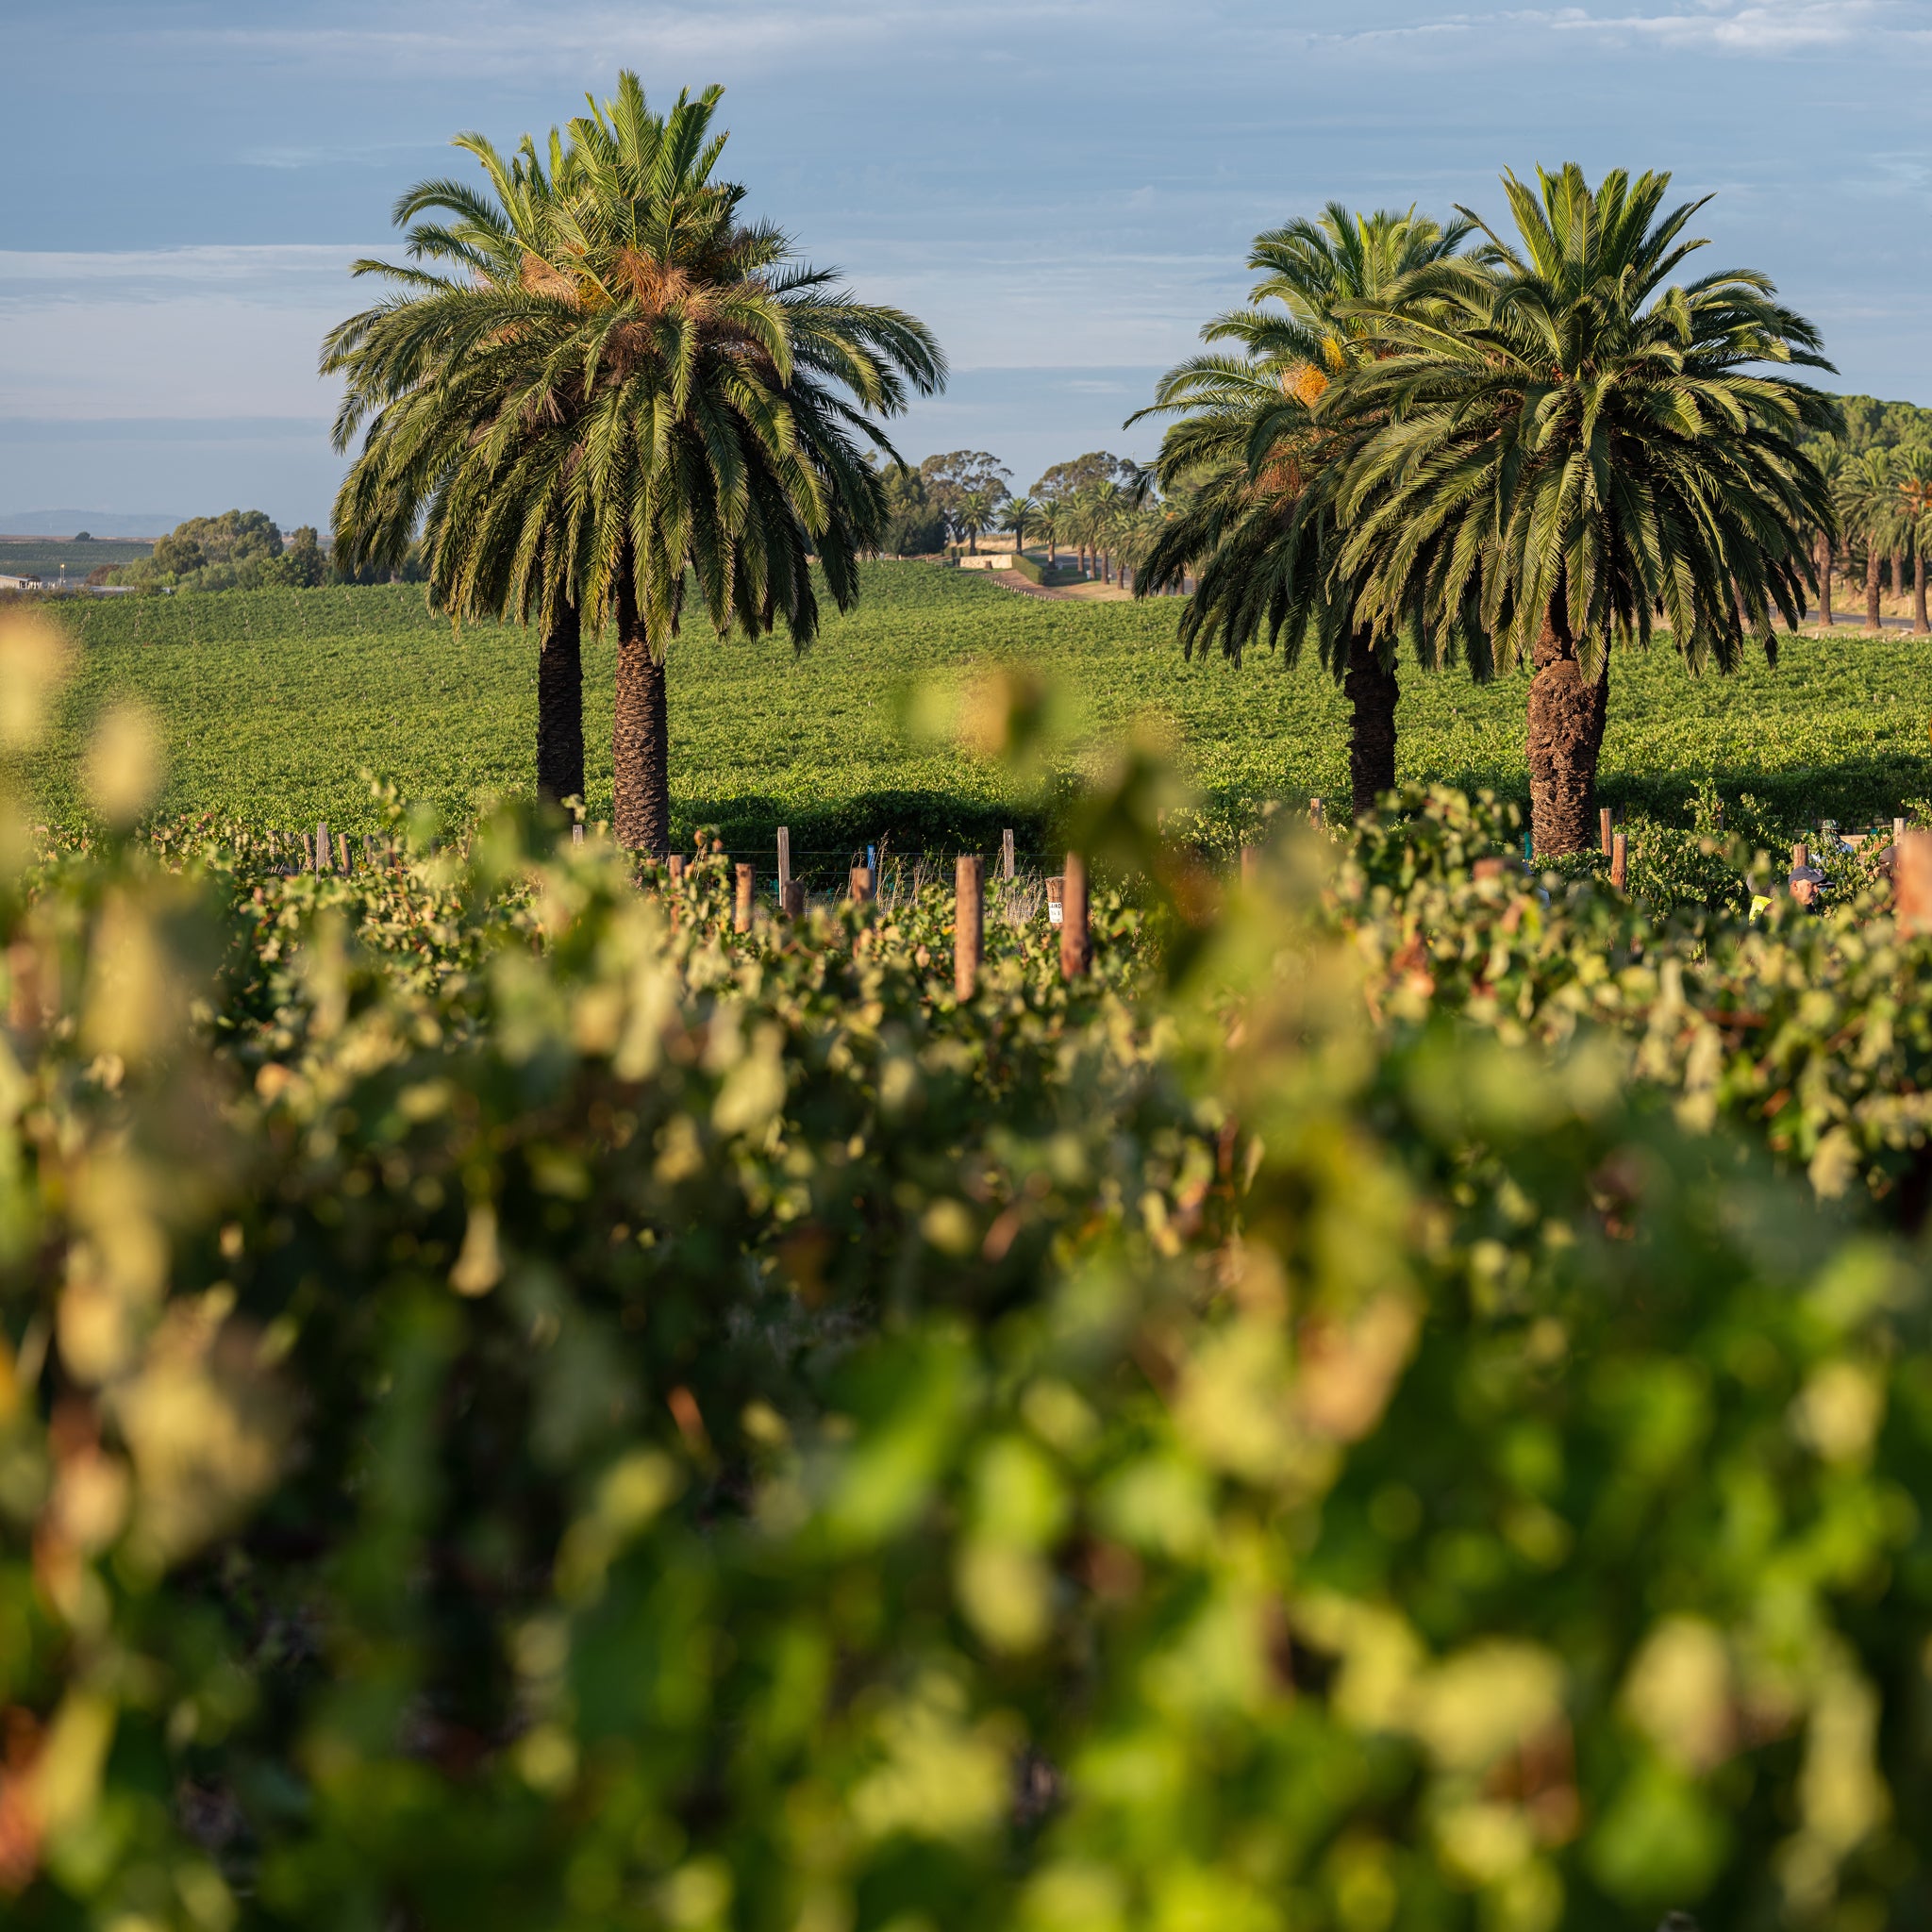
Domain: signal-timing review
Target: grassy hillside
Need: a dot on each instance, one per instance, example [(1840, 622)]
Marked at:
[(273, 699)]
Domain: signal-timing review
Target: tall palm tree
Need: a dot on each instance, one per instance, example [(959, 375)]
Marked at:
[(1050, 513), (1251, 471), (1015, 514), (1829, 454), (1105, 504), (429, 372), (1871, 508), (1914, 464), (685, 399), (977, 511), (1573, 442)]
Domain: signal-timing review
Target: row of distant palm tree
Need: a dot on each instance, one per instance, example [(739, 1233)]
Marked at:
[(1517, 453), (598, 391), (1883, 496), (1111, 525)]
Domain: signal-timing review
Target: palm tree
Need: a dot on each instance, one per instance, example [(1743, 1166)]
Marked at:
[(683, 399), (1572, 443), (1829, 454), (976, 512), (1050, 513), (1250, 471), (1914, 465), (1870, 508), (1105, 505), (1015, 514), (429, 378)]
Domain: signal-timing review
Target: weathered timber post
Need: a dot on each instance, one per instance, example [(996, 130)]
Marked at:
[(1911, 881), (860, 885), (784, 862), (1620, 859), (793, 899), (969, 925), (1075, 951), (741, 910), (1007, 855), (1603, 826)]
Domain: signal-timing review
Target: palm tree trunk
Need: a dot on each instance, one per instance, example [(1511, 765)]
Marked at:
[(560, 709), (1825, 568), (639, 738), (1872, 620), (1898, 573), (1566, 734), (1371, 689), (1920, 625)]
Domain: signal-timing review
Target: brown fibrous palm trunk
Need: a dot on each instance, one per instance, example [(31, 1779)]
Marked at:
[(1920, 623), (1898, 573), (1826, 561), (560, 709), (640, 737), (1873, 621), (1371, 689), (1567, 713)]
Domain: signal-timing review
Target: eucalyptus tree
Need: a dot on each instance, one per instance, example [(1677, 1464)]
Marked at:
[(662, 402), (1571, 440), (1250, 467)]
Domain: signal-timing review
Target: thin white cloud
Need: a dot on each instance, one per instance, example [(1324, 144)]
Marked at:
[(496, 37), (1772, 26), (1732, 27), (216, 331)]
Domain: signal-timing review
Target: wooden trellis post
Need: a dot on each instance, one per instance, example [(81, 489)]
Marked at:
[(1007, 856), (1075, 951), (1620, 859), (969, 925), (741, 908), (784, 862)]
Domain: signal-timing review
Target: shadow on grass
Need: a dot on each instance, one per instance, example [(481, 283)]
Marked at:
[(827, 839)]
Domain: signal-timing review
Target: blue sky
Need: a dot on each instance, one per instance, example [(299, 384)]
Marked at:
[(1064, 189)]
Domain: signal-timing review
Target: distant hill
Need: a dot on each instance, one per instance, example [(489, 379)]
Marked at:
[(146, 525)]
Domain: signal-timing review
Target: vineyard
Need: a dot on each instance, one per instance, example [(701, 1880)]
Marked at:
[(274, 702), (1394, 1401)]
